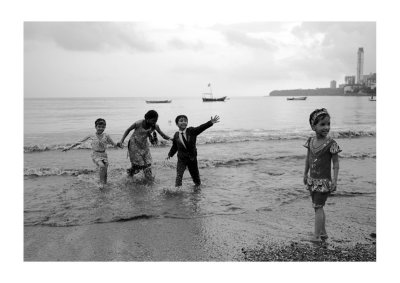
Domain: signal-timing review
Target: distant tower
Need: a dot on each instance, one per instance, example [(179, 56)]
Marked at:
[(360, 65), (333, 84)]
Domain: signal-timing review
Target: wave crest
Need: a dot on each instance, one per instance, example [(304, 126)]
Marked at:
[(226, 137)]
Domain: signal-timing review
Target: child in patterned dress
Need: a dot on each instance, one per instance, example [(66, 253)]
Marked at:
[(322, 150), (99, 145), (138, 145)]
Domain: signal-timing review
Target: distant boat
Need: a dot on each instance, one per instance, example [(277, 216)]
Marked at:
[(297, 98), (372, 98), (158, 101), (208, 96)]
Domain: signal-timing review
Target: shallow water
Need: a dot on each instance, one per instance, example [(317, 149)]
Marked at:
[(261, 184)]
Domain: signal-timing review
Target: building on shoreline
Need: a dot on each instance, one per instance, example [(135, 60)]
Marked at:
[(360, 65), (359, 85), (350, 80)]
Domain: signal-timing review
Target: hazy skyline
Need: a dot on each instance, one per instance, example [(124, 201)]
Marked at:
[(144, 59)]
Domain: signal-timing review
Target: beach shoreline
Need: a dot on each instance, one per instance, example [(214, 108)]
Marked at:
[(179, 240)]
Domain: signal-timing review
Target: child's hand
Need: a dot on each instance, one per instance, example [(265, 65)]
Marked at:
[(215, 119), (168, 157), (305, 179), (334, 186)]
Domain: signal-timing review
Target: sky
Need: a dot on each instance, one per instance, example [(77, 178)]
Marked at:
[(171, 59)]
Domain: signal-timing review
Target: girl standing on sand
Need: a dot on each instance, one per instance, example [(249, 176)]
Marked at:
[(138, 146), (322, 151)]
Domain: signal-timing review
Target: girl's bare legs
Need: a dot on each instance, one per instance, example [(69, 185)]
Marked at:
[(148, 174), (319, 223), (324, 235), (103, 172)]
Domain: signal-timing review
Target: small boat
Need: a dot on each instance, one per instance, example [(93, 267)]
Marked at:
[(211, 99), (372, 98), (158, 101), (208, 96), (297, 98)]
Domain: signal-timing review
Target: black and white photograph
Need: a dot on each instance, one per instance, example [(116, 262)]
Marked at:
[(201, 140), (251, 141)]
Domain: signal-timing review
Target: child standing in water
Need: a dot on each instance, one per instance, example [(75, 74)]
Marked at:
[(321, 152), (184, 142), (138, 146), (99, 145)]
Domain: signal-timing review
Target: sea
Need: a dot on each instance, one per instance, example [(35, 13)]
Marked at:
[(251, 165)]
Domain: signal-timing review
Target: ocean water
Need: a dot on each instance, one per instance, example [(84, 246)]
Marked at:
[(251, 166)]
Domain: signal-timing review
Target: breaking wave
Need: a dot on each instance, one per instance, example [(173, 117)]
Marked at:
[(203, 163), (224, 137)]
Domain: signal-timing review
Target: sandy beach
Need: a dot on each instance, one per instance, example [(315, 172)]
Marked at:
[(172, 240)]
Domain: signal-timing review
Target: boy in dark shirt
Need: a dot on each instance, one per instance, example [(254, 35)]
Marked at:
[(184, 142)]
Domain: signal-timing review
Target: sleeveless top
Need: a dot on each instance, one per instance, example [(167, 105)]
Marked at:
[(100, 144), (140, 134), (138, 145), (320, 159)]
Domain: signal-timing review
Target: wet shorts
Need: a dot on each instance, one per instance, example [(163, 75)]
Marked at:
[(319, 199), (99, 158)]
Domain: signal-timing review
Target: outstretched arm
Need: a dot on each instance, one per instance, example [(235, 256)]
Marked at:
[(198, 130), (161, 133), (78, 143), (133, 126), (110, 141)]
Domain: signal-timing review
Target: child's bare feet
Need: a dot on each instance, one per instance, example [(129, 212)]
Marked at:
[(324, 237), (315, 240)]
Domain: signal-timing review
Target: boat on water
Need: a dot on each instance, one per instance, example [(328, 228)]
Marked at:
[(158, 101), (297, 98), (372, 98), (209, 97)]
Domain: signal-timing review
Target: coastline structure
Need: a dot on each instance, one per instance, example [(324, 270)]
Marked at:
[(316, 92), (359, 85), (309, 92), (360, 65)]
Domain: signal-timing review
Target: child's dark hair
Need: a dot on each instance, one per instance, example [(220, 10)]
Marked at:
[(180, 116), (151, 114), (317, 115), (100, 121)]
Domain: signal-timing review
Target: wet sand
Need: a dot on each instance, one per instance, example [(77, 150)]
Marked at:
[(155, 240), (216, 238)]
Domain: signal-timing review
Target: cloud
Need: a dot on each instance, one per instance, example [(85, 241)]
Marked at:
[(89, 36), (181, 44), (340, 42), (255, 27), (194, 69), (240, 38)]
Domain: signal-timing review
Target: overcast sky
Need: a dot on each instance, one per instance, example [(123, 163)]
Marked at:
[(145, 59)]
